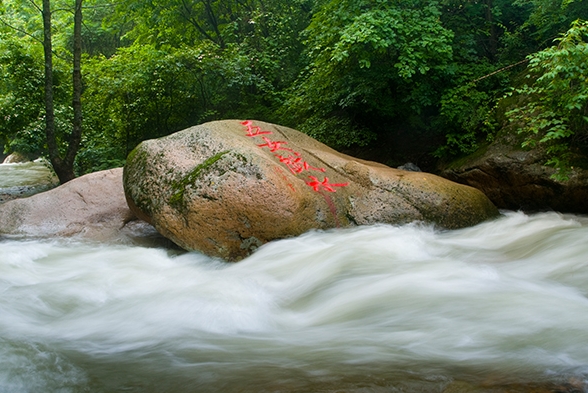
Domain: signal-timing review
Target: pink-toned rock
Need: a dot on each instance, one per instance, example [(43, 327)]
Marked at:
[(92, 207), (227, 187)]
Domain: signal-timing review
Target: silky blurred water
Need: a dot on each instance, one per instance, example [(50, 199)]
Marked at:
[(379, 309), (25, 179), (24, 174)]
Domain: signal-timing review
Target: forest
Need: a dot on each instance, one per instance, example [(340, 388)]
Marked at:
[(83, 82)]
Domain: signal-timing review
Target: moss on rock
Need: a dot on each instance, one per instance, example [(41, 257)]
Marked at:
[(178, 188)]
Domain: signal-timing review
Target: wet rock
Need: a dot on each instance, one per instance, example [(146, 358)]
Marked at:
[(517, 179), (91, 207), (227, 187), (409, 166), (16, 192)]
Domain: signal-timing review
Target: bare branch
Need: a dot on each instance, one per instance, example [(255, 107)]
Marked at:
[(500, 70)]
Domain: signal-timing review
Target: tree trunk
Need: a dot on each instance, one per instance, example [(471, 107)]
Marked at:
[(63, 166), (49, 110), (76, 134), (492, 34)]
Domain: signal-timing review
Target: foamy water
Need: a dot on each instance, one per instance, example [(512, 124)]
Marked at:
[(25, 174), (379, 308), (25, 179)]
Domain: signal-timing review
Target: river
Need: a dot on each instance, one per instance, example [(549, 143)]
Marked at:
[(25, 179), (370, 309)]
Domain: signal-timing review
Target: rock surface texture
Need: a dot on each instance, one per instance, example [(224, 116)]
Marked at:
[(517, 179), (91, 207), (227, 187), (16, 158)]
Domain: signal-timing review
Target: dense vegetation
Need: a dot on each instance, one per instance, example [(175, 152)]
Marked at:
[(389, 80)]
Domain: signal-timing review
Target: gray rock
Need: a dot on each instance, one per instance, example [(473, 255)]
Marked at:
[(409, 166)]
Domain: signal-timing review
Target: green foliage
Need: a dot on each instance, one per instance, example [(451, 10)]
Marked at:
[(21, 98), (465, 111), (144, 92), (553, 107), (369, 62), (22, 117), (190, 63), (22, 95), (485, 45), (548, 18), (94, 156), (348, 72)]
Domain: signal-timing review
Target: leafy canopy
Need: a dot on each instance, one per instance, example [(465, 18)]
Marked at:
[(553, 109), (369, 61)]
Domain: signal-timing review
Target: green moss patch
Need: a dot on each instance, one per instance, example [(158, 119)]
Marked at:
[(180, 187)]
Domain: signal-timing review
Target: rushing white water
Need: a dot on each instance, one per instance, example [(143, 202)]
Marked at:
[(380, 308), (26, 173), (24, 179)]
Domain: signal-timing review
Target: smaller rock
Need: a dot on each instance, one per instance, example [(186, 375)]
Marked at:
[(16, 158), (409, 166), (90, 207)]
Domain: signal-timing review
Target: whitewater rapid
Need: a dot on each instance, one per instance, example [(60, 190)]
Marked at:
[(379, 308), (25, 179)]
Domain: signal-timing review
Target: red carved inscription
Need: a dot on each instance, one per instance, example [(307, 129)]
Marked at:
[(294, 161)]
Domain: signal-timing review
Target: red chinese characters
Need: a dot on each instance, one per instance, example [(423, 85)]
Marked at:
[(254, 130), (274, 145), (324, 185), (296, 165), (292, 161)]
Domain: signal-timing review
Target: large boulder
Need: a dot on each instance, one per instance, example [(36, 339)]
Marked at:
[(517, 179), (227, 187), (90, 207)]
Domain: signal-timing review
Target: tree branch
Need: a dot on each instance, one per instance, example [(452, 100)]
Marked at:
[(188, 16), (500, 70), (36, 6), (32, 37), (21, 31)]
